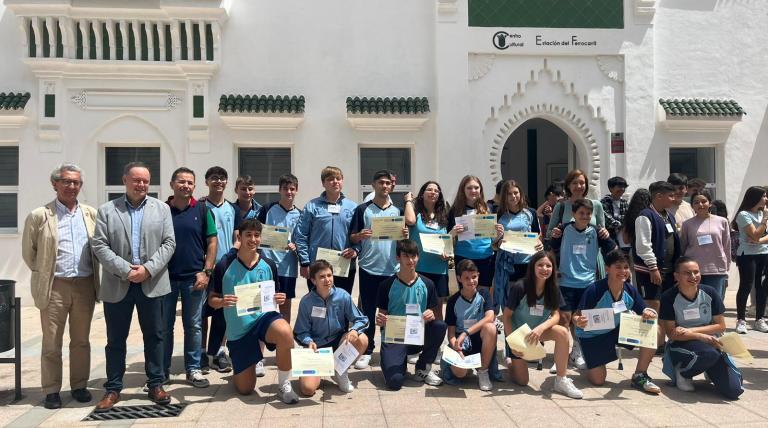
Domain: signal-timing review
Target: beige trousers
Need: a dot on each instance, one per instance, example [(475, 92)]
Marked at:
[(71, 298)]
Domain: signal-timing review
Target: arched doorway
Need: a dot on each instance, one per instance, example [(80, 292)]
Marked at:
[(536, 154)]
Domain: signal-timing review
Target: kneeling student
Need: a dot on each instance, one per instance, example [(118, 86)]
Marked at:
[(535, 301), (325, 314), (408, 293), (471, 321), (599, 346), (246, 266), (691, 315)]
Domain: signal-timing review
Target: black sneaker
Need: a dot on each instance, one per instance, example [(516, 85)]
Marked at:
[(52, 401), (205, 364), (221, 363), (643, 382), (82, 395)]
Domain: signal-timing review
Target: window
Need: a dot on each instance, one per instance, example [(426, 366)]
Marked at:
[(395, 159), (695, 162), (9, 188), (265, 165), (115, 160)]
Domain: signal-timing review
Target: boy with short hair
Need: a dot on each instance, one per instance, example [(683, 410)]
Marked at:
[(327, 318), (408, 293), (615, 206), (247, 266), (578, 244), (246, 205), (470, 317), (680, 208)]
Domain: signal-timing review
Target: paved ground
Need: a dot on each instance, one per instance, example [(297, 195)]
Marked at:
[(370, 405)]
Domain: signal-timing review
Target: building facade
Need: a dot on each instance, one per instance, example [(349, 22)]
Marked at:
[(433, 89)]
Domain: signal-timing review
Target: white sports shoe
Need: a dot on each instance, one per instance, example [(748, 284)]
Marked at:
[(741, 327), (413, 358), (428, 376), (565, 386), (683, 383), (260, 370), (286, 394), (483, 380), (363, 362), (761, 325), (553, 369), (577, 358), (342, 380)]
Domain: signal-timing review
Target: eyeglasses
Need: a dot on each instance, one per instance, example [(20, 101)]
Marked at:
[(67, 183), (217, 178)]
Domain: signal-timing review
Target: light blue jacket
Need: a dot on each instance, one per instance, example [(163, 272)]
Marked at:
[(319, 228), (340, 311)]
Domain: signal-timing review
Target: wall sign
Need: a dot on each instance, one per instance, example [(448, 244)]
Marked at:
[(503, 40), (617, 143)]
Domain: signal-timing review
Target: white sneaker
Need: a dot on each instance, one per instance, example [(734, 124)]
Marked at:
[(342, 380), (286, 394), (683, 383), (741, 327), (413, 358), (260, 370), (553, 369), (428, 376), (565, 386), (576, 358), (363, 362), (483, 380), (761, 325)]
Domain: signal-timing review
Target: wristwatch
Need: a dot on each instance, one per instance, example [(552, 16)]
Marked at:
[(208, 272)]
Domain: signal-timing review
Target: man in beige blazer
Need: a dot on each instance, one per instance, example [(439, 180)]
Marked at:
[(65, 282)]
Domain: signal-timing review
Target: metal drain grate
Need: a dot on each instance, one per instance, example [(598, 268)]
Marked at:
[(137, 412)]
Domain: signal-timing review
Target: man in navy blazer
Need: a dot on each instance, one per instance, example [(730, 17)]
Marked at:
[(134, 241)]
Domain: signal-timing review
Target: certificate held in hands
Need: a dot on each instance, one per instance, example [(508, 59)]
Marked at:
[(254, 298), (407, 330), (516, 341), (436, 243), (388, 228), (477, 226), (339, 263), (635, 331), (274, 237), (306, 362), (520, 242)]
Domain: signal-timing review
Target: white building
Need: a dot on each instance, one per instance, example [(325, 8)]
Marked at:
[(522, 89)]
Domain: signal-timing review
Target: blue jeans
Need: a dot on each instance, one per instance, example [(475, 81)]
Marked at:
[(717, 282), (118, 319), (191, 318)]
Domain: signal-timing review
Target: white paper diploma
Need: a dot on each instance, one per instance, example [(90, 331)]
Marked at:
[(437, 243), (255, 298), (275, 237), (520, 242), (733, 345), (344, 356), (306, 362), (388, 228), (340, 264), (599, 319), (636, 332), (468, 362), (477, 226), (516, 341), (407, 330)]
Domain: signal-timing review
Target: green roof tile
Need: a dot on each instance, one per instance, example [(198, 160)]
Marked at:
[(378, 105), (701, 107), (13, 101), (261, 104)]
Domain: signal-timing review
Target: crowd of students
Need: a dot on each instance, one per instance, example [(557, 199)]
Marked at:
[(656, 255)]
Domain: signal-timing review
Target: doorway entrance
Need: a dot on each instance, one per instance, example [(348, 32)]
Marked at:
[(537, 154)]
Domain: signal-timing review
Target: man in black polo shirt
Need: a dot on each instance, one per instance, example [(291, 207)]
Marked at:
[(190, 269)]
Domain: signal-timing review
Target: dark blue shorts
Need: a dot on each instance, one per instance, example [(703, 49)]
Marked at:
[(287, 286), (572, 297), (601, 350), (246, 351), (334, 344), (651, 291), (440, 280)]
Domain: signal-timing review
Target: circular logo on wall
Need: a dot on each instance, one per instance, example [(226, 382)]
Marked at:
[(500, 40)]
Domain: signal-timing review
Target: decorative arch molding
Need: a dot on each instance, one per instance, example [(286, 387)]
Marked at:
[(547, 96)]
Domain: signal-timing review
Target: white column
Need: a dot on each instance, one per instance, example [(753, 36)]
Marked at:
[(23, 24), (86, 35), (67, 36), (161, 39), (216, 30), (175, 40), (50, 24), (190, 41), (149, 30), (97, 31), (111, 39), (136, 38), (38, 33), (124, 37), (201, 31)]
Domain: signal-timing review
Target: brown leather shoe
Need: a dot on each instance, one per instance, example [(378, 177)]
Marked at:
[(107, 402), (159, 396)]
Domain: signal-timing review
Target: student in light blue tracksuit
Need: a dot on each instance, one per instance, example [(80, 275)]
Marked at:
[(327, 318)]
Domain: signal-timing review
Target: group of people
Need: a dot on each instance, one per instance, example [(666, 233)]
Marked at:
[(656, 255)]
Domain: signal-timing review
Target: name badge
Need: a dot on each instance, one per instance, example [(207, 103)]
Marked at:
[(334, 209), (691, 314), (669, 228), (412, 308), (537, 311), (471, 212), (469, 323), (432, 225), (318, 312), (619, 307), (579, 248), (704, 239)]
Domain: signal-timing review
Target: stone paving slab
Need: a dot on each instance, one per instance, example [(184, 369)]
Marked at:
[(370, 405)]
